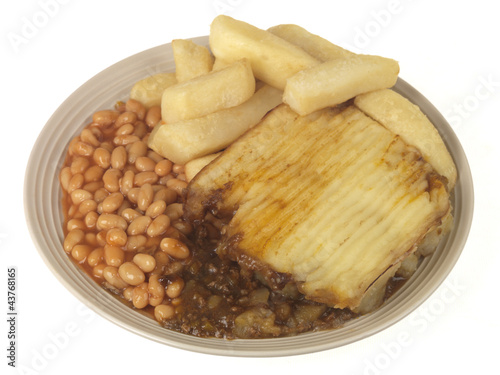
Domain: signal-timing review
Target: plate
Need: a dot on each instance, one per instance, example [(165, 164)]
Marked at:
[(43, 211)]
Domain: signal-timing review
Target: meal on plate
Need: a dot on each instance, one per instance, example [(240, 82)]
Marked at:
[(271, 185)]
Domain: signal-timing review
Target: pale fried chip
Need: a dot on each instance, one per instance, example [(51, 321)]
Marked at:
[(335, 81), (208, 93)]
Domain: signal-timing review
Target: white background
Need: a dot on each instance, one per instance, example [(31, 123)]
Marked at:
[(448, 50)]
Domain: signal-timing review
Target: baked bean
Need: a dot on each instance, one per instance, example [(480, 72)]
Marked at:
[(93, 173), (155, 156), (71, 145), (175, 248), (126, 129), (137, 107), (91, 219), (96, 257), (153, 243), (145, 178), (112, 202), (127, 117), (79, 195), (87, 206), (129, 214), (156, 290), (102, 157), (105, 118), (153, 116), (140, 296), (123, 140), (139, 225), (163, 180), (145, 164), (73, 211), (101, 238), (113, 255), (145, 262), (131, 168), (182, 226), (111, 275), (174, 211), (136, 150), (119, 157), (64, 177), (140, 129), (163, 167), (145, 197), (100, 194), (178, 168), (133, 195), (116, 237), (91, 239), (156, 208), (111, 179), (79, 165), (108, 221), (75, 224), (182, 177), (136, 243), (161, 258), (177, 185), (164, 312), (93, 186), (80, 252), (98, 270), (158, 226), (97, 132), (167, 195), (125, 204), (174, 290), (83, 149), (89, 137), (76, 182), (145, 139), (127, 182), (128, 292), (74, 237), (131, 274), (120, 106), (108, 146)]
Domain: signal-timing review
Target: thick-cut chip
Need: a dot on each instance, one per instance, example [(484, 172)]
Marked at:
[(183, 141), (335, 81), (332, 199), (191, 59), (208, 93), (406, 119), (313, 44), (220, 64), (273, 59), (149, 90), (193, 167)]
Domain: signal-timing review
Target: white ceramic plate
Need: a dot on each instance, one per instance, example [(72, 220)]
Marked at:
[(42, 198)]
